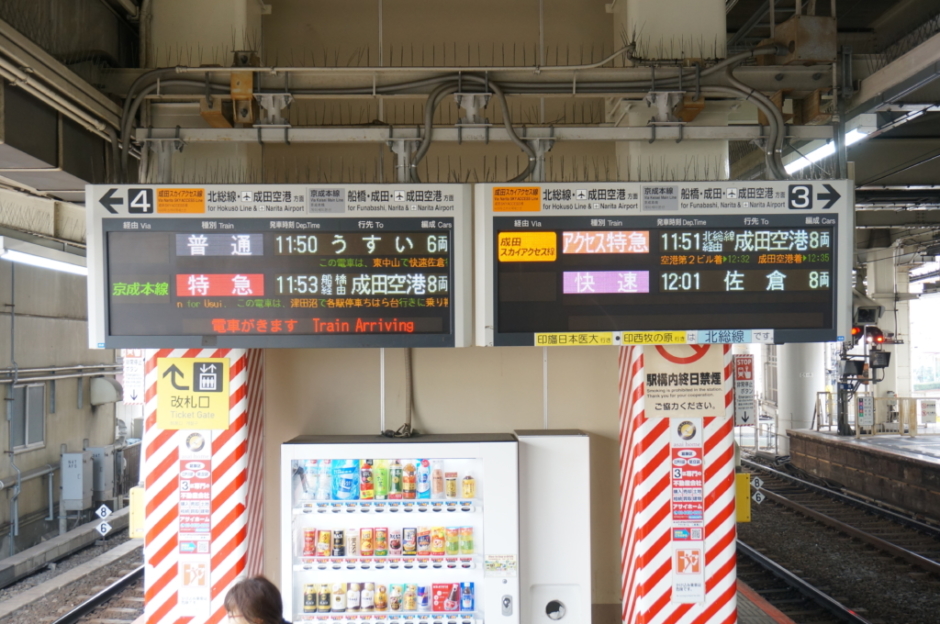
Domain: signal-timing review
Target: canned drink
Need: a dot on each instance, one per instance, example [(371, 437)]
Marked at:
[(409, 541), (424, 598), (339, 598), (381, 542), (409, 601), (366, 542), (466, 597), (466, 540), (424, 541), (367, 601), (324, 543), (339, 544), (437, 541), (324, 601), (352, 542), (452, 541), (310, 598), (394, 542), (310, 543)]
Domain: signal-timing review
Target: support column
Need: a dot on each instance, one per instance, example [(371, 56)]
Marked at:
[(672, 29), (801, 373), (888, 284)]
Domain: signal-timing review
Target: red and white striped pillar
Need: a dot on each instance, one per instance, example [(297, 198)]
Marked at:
[(172, 584), (651, 587)]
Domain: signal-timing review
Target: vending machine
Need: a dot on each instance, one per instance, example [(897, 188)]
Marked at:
[(400, 530)]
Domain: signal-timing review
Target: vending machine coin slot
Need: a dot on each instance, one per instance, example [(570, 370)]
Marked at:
[(507, 605)]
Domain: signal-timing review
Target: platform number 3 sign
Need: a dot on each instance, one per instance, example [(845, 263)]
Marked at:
[(800, 197), (141, 201)]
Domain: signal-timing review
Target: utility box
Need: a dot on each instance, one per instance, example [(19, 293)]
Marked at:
[(77, 477), (103, 472), (555, 508)]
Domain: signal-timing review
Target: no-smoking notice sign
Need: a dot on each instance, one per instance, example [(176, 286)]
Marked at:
[(684, 381)]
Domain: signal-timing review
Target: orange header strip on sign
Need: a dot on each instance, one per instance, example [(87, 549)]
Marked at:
[(517, 199)]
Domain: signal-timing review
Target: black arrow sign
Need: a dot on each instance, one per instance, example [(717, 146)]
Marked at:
[(133, 395), (833, 196), (109, 201), (173, 372), (745, 418)]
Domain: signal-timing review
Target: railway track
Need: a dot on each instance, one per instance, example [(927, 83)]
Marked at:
[(893, 533), (883, 564), (793, 596), (121, 601)]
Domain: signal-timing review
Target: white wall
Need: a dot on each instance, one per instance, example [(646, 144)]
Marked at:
[(334, 391)]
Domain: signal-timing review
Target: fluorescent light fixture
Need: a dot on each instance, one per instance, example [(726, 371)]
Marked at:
[(16, 250), (852, 137)]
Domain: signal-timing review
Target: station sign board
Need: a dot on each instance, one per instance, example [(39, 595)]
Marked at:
[(663, 262), (281, 265)]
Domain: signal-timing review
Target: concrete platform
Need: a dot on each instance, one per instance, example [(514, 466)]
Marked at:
[(752, 609), (903, 471)]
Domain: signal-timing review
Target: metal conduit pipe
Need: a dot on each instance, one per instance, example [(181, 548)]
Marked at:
[(51, 369), (28, 475), (34, 87), (23, 381)]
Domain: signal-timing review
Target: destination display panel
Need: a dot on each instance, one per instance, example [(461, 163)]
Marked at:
[(662, 263), (337, 266)]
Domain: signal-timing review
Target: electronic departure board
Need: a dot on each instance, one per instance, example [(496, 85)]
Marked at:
[(279, 266), (660, 263)]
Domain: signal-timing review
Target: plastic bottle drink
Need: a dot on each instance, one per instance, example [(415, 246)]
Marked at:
[(437, 479), (409, 482), (366, 481), (466, 597), (424, 479), (380, 477), (394, 480), (453, 599), (450, 484), (394, 598), (324, 480)]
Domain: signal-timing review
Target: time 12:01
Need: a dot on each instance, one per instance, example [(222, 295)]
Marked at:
[(681, 281)]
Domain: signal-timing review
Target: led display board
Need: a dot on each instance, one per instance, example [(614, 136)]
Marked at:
[(663, 262), (229, 266)]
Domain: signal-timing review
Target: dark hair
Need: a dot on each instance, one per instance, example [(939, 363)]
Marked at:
[(257, 599)]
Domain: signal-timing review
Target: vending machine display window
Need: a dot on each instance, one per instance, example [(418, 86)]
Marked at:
[(398, 532)]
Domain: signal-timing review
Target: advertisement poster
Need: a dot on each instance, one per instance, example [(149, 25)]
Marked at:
[(688, 509)]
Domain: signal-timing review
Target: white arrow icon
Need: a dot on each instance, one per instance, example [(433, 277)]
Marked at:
[(103, 512), (104, 528), (758, 497)]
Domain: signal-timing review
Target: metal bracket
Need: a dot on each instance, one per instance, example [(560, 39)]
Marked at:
[(403, 150), (472, 103), (540, 147), (271, 106), (178, 143), (665, 102)]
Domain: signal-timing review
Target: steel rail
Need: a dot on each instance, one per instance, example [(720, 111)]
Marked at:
[(892, 549), (75, 615), (825, 601), (844, 498)]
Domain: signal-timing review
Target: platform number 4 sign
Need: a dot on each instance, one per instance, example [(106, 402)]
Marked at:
[(141, 201)]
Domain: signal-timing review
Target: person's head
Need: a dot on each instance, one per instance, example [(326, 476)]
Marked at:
[(254, 601)]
